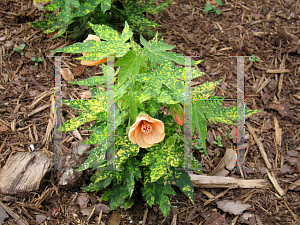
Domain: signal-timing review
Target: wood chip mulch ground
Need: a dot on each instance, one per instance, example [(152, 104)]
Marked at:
[(269, 29)]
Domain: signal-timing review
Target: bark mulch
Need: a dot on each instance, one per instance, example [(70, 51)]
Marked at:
[(268, 29)]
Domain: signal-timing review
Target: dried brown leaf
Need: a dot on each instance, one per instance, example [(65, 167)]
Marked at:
[(78, 70), (114, 219), (232, 207), (216, 218), (226, 164), (67, 74), (82, 200)]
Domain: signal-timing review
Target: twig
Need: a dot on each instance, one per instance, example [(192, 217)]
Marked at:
[(260, 147), (293, 214), (19, 67), (91, 213), (203, 181), (275, 183), (19, 220), (145, 216), (219, 195)]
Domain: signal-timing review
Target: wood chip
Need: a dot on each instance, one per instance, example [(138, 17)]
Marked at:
[(278, 132), (265, 83)]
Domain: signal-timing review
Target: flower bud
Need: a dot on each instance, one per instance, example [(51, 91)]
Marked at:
[(179, 120)]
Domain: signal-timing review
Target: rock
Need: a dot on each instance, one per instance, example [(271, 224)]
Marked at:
[(24, 171), (69, 176), (232, 207)]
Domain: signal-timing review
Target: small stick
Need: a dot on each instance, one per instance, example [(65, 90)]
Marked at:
[(278, 71), (260, 147), (293, 214), (91, 213), (205, 192), (219, 195), (145, 216), (19, 67), (275, 183)]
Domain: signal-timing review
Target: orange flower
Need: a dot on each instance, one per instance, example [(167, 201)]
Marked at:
[(146, 131), (178, 120), (92, 63)]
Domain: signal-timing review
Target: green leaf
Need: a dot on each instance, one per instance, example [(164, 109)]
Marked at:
[(205, 90), (207, 8), (99, 134), (156, 193), (218, 11), (97, 157), (48, 25), (90, 5), (154, 9), (74, 123), (167, 74), (33, 59), (212, 109), (159, 158), (103, 174), (156, 52), (17, 49), (91, 106), (152, 107), (92, 81), (134, 14), (115, 44), (55, 5), (116, 196), (22, 46), (127, 149), (130, 170), (21, 53), (198, 120), (36, 64), (166, 98), (131, 63), (183, 181), (93, 187), (63, 29), (128, 203), (219, 2)]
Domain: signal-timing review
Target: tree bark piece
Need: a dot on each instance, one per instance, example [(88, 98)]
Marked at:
[(24, 171)]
